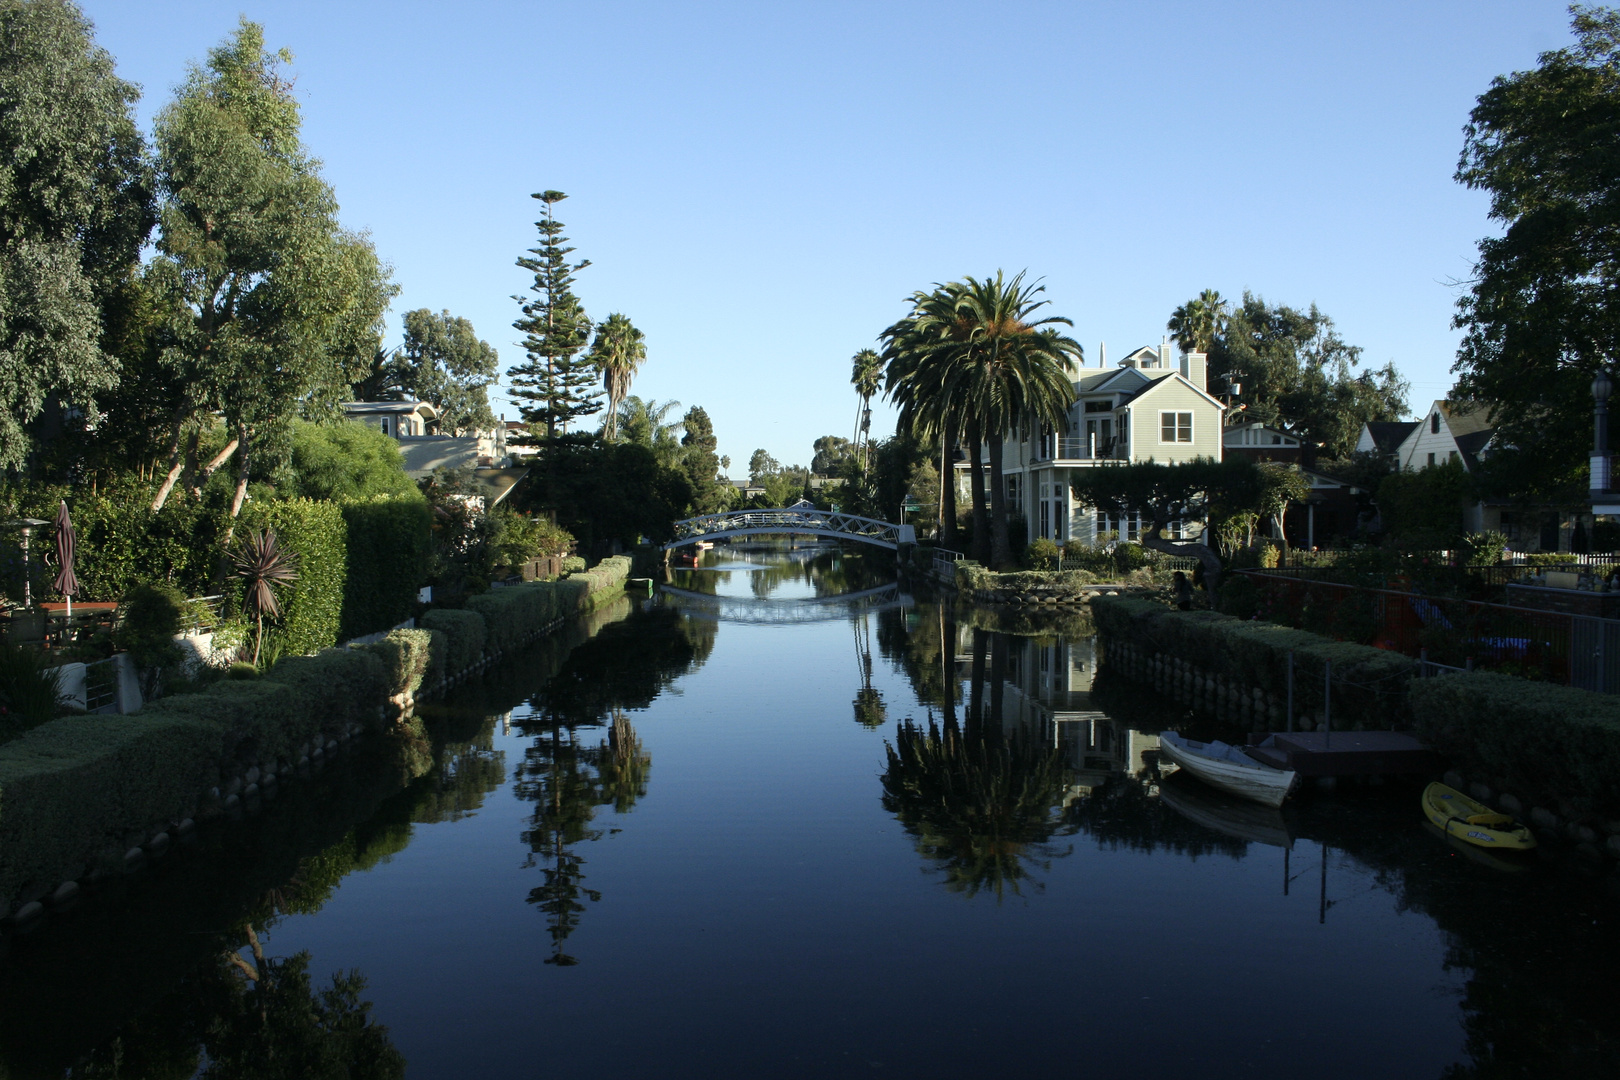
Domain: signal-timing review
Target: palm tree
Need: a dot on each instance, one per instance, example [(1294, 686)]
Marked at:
[(924, 354), (1021, 371), (619, 350), (867, 377), (1200, 322), (645, 422)]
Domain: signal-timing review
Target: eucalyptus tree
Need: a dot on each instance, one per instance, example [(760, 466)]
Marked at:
[(552, 387), (619, 351), (75, 207), (866, 375), (1200, 322), (443, 362), (1019, 376), (265, 306)]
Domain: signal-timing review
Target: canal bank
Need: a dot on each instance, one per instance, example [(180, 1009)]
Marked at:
[(687, 851)]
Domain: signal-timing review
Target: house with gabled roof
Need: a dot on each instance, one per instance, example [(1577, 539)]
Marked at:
[(1152, 406), (1448, 432)]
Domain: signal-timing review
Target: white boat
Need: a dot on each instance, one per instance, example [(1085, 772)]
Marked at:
[(1229, 768)]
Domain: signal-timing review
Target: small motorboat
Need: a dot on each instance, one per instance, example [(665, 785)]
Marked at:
[(1227, 767), (1455, 814)]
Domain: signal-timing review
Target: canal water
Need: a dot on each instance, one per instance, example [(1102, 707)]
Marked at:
[(786, 818)]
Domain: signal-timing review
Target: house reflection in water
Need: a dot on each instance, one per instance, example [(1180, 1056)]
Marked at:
[(1046, 691)]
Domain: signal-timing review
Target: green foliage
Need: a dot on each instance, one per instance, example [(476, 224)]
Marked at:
[(602, 492), (70, 788), (1295, 368), (75, 207), (444, 363), (516, 538), (246, 330), (341, 461), (387, 554), (553, 385), (121, 541), (1425, 508), (700, 462), (1483, 548), (1605, 536), (1369, 685), (336, 688), (407, 658), (30, 692), (312, 609), (464, 635), (573, 564), (149, 617), (1042, 554), (1547, 744), (618, 352), (241, 669), (1540, 319)]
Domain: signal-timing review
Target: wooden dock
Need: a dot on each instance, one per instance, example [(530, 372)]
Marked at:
[(1344, 753)]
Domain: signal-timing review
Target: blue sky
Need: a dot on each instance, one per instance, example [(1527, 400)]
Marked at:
[(759, 186)]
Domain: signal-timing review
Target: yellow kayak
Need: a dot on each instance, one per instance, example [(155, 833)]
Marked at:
[(1455, 814)]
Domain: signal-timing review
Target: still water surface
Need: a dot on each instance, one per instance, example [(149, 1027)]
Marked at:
[(705, 842)]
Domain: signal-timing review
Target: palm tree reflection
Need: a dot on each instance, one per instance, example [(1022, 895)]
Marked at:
[(982, 809)]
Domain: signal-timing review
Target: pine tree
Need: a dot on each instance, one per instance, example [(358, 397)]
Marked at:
[(556, 384)]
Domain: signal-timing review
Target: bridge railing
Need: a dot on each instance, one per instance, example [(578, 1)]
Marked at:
[(823, 522)]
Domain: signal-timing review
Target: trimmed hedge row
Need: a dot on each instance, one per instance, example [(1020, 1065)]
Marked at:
[(1547, 744), (313, 607), (1369, 685), (72, 789)]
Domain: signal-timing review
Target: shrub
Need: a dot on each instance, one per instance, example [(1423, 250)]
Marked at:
[(512, 614), (1483, 548), (573, 564), (406, 656), (312, 610), (1546, 743), (1238, 597), (149, 617), (1128, 557), (388, 548), (241, 669), (30, 692), (1042, 554), (464, 633)]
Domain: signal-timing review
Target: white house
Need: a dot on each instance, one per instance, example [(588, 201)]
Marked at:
[(1151, 407), (396, 418)]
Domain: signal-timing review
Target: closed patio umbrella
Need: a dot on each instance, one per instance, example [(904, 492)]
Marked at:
[(66, 583)]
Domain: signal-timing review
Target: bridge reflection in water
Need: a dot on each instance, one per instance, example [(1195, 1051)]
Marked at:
[(737, 609)]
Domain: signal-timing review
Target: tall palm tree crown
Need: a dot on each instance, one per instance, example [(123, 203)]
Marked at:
[(619, 350), (866, 375), (1199, 322)]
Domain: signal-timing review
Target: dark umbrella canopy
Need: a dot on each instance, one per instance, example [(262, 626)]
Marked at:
[(66, 583)]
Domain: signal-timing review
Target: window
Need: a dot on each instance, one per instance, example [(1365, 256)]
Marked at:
[(1175, 427), (1431, 461), (1100, 406), (1434, 423), (1015, 490)]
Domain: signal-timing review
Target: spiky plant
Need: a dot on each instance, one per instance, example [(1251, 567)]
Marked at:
[(263, 565)]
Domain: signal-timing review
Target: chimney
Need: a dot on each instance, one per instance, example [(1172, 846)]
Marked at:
[(1194, 368), (1164, 353), (1102, 354)]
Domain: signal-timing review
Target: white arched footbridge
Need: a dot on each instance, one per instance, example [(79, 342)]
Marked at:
[(800, 520)]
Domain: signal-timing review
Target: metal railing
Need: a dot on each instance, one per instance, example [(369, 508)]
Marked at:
[(1079, 448), (814, 522), (1448, 632)]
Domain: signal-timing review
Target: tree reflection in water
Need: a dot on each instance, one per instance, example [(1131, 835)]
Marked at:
[(569, 776), (981, 809)]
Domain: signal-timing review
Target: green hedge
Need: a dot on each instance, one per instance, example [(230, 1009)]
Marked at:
[(463, 633), (1369, 685), (513, 613), (387, 546), (69, 789), (1545, 743), (313, 607), (336, 688), (407, 659)]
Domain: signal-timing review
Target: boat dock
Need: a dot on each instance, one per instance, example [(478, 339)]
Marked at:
[(1343, 753)]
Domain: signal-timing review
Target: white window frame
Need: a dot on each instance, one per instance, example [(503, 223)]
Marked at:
[(1175, 426)]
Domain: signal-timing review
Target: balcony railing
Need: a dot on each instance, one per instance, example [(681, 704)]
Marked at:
[(1079, 448)]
